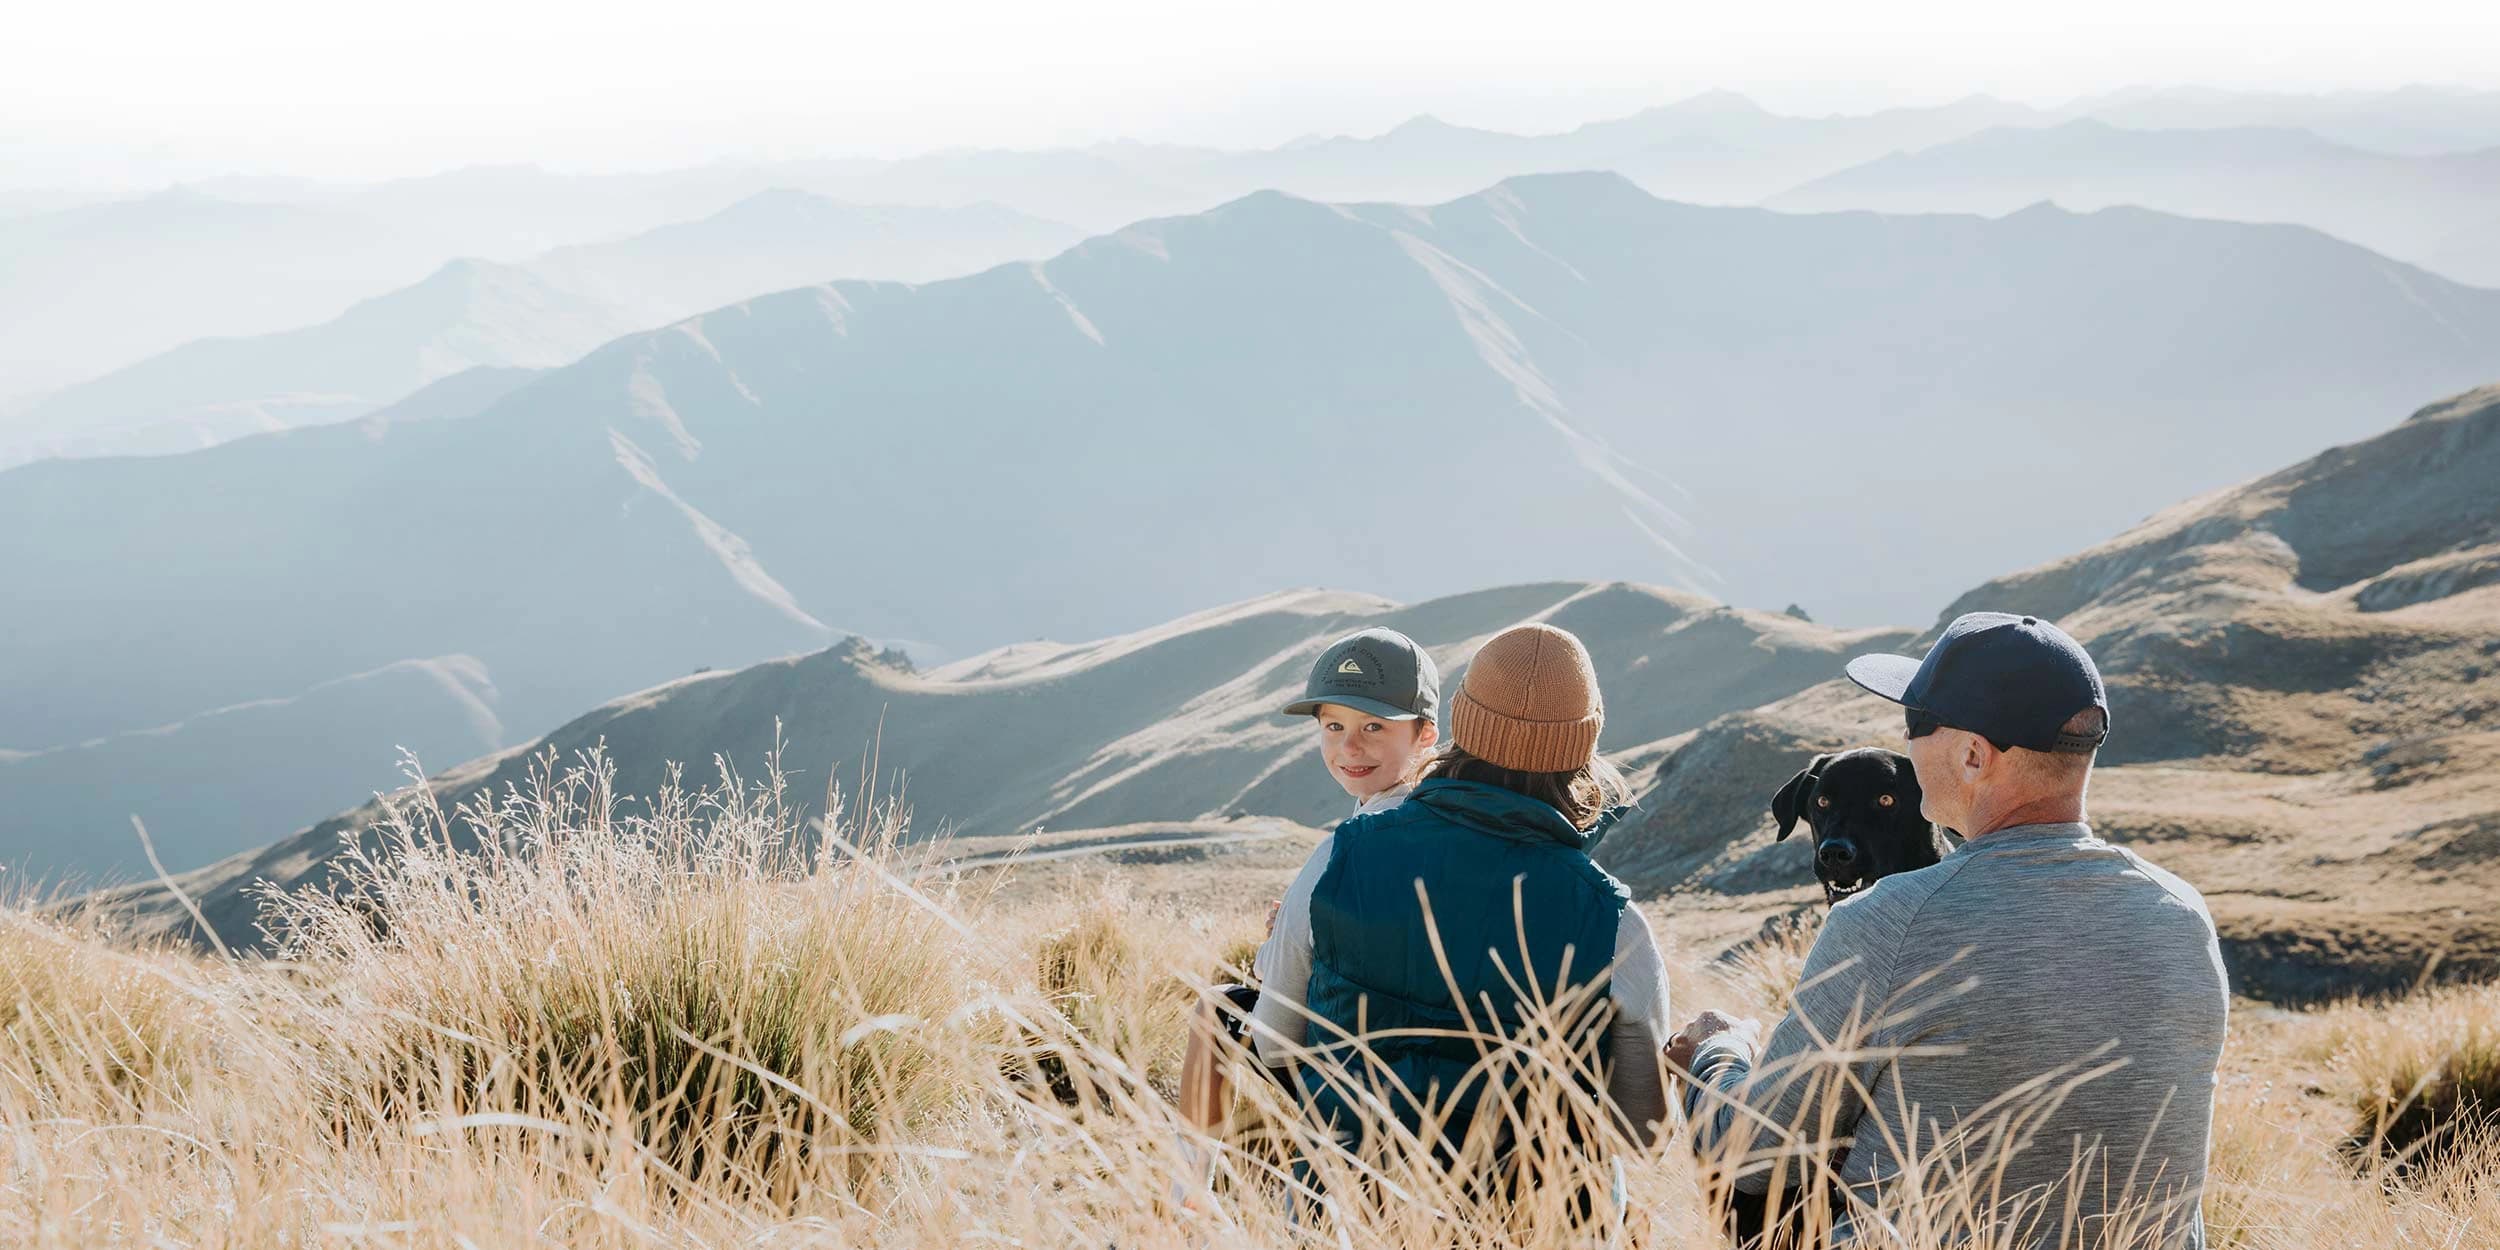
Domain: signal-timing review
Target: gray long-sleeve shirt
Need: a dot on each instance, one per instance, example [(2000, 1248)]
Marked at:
[(2040, 993), (1634, 1081)]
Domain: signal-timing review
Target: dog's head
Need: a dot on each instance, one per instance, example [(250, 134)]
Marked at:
[(1862, 807)]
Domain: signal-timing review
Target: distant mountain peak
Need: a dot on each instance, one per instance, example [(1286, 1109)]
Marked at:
[(1720, 102), (1423, 124)]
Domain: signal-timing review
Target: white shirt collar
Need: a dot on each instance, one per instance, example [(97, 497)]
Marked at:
[(1384, 800)]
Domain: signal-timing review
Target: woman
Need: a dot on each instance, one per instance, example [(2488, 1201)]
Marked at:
[(1469, 917)]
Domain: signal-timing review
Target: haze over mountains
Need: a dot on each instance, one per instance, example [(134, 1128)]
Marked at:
[(2431, 210), (243, 256), (2303, 672), (2411, 121), (541, 313), (1562, 376), (95, 287)]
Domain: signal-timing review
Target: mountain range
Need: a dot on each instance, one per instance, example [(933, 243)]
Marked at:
[(544, 312), (94, 287), (2416, 120), (1560, 377), (2304, 673), (2437, 211)]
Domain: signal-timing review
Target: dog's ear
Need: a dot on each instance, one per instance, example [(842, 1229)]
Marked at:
[(1784, 807)]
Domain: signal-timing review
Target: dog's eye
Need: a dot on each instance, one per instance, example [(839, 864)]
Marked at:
[(1822, 800), (1883, 800)]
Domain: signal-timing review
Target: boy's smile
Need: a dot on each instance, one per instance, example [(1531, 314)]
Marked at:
[(1369, 754)]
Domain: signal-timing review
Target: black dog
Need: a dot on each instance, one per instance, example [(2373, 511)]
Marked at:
[(1863, 808)]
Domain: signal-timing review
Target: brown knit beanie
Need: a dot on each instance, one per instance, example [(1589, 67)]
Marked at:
[(1529, 702)]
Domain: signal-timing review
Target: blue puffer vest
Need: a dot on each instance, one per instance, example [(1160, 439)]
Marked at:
[(1494, 864)]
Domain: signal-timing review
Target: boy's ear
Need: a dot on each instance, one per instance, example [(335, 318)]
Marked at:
[(1784, 805)]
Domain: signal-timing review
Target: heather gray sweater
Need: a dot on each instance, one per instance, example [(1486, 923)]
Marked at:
[(2040, 996)]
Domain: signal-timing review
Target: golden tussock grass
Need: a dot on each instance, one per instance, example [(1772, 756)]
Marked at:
[(570, 1020)]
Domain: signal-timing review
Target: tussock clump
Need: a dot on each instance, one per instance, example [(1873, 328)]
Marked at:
[(692, 980), (2424, 1074), (81, 1019), (1113, 972), (1767, 968), (1235, 958)]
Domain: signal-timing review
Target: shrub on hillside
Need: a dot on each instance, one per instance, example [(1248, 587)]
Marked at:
[(2424, 1073), (690, 978), (1113, 973), (81, 1019)]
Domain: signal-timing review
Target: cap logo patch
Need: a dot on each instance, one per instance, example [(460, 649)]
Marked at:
[(1350, 665)]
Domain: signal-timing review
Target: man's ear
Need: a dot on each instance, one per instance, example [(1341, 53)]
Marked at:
[(1784, 805), (1978, 753)]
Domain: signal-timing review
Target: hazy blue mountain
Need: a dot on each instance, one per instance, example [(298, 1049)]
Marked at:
[(1559, 377), (28, 201), (213, 781), (2472, 253), (467, 314), (1718, 147), (94, 287), (2416, 120), (463, 394), (473, 313), (103, 286), (781, 238), (2409, 207)]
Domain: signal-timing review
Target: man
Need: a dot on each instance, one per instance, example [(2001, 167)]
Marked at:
[(2034, 1024)]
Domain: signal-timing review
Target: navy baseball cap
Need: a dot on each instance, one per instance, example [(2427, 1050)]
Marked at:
[(1379, 671), (2014, 680)]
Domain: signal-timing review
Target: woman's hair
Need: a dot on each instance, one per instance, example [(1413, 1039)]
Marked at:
[(1581, 794)]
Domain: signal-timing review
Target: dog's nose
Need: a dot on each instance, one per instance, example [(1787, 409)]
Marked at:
[(1837, 854)]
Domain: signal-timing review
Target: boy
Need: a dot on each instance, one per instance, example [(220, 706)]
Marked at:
[(1372, 698)]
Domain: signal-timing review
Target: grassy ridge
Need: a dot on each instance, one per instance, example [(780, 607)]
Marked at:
[(706, 1026)]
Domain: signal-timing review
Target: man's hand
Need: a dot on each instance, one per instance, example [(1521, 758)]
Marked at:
[(1705, 1026), (1275, 908)]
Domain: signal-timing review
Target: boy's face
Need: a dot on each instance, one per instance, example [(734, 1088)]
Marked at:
[(1368, 754)]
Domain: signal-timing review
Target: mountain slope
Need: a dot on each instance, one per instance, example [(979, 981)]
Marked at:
[(467, 314), (1560, 377), (99, 286), (1171, 724), (474, 313), (2304, 679), (777, 239), (2409, 121), (215, 781), (2408, 207)]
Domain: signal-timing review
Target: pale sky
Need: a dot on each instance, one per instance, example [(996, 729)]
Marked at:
[(135, 92)]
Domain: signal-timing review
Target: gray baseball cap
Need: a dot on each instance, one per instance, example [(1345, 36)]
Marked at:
[(1379, 671)]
